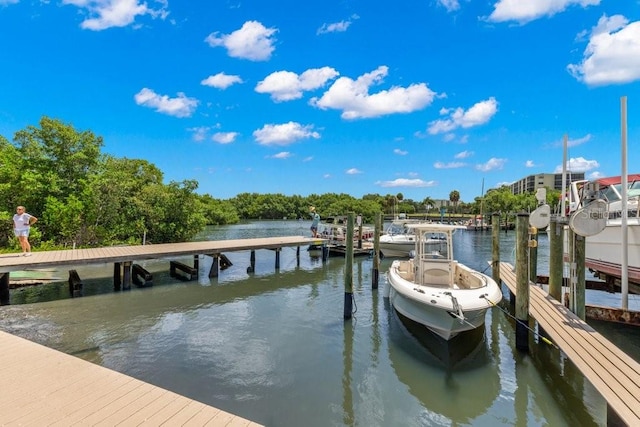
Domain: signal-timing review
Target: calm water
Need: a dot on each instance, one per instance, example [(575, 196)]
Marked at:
[(273, 346)]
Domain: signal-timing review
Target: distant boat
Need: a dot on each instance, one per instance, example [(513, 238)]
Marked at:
[(439, 292), (399, 241)]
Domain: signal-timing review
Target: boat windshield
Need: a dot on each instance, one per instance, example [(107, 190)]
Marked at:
[(397, 229)]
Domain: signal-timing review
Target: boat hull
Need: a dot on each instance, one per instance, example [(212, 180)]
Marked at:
[(603, 251), (434, 307)]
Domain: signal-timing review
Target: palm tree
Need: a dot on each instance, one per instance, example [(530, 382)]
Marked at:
[(428, 203), (454, 197)]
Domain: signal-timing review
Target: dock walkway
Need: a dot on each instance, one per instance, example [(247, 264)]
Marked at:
[(612, 372), (115, 254), (41, 386)]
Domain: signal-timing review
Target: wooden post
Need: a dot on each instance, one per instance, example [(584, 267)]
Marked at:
[(126, 276), (215, 265), (533, 254), (298, 256), (348, 269), (556, 240), (4, 289), (117, 276), (252, 261), (325, 252), (376, 251), (580, 309), (522, 282), (278, 258), (495, 247), (196, 264)]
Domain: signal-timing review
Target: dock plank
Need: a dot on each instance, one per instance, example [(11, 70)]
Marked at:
[(46, 387), (611, 371)]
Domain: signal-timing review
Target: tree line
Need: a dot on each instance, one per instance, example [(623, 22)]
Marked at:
[(84, 197)]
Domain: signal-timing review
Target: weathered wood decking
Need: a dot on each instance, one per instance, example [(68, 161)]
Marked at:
[(13, 262), (612, 372), (41, 386)]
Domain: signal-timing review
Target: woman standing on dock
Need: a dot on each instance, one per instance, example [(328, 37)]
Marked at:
[(22, 223), (314, 222)]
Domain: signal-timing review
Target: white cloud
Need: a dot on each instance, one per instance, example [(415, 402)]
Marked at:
[(287, 85), (404, 182), (450, 165), (116, 13), (353, 98), (524, 11), (463, 155), (282, 155), (199, 133), (221, 81), (337, 27), (284, 134), (574, 142), (353, 171), (181, 106), (224, 137), (253, 41), (529, 164), (8, 2), (450, 5), (492, 164), (578, 164), (400, 152), (612, 55), (477, 115)]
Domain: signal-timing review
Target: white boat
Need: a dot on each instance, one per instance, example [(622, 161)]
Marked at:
[(477, 223), (603, 250), (442, 294), (399, 241)]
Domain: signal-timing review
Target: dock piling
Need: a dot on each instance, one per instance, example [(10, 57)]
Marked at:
[(522, 282), (4, 289), (348, 269), (376, 251)]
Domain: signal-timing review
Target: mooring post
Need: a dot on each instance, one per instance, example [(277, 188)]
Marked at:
[(215, 266), (522, 282), (298, 256), (348, 268), (495, 247), (359, 223), (196, 264), (4, 289), (580, 309), (376, 250), (117, 276), (325, 252), (252, 261), (126, 276), (556, 238), (278, 258)]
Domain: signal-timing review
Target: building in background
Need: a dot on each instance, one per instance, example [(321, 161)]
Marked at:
[(531, 183)]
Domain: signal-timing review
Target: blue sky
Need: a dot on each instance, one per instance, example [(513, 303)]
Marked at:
[(358, 97)]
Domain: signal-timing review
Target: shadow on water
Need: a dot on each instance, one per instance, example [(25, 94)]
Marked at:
[(456, 379)]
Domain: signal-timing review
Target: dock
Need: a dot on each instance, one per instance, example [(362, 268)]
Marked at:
[(612, 372), (42, 386), (123, 257)]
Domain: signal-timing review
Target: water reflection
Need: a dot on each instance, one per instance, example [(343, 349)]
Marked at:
[(458, 380)]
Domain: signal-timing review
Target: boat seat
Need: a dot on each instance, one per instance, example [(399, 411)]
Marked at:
[(435, 277)]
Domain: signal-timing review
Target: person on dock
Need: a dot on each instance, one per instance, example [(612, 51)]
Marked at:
[(314, 222), (22, 222)]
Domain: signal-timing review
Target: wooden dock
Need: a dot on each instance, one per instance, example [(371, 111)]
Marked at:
[(41, 386), (13, 262), (612, 372), (123, 257)]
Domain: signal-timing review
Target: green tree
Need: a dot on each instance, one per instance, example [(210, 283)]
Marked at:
[(454, 198)]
